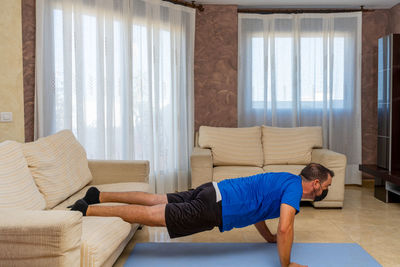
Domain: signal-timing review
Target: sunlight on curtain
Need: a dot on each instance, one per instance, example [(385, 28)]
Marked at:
[(119, 74), (304, 70)]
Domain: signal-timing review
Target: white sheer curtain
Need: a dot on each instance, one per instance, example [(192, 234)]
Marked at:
[(304, 70), (119, 74)]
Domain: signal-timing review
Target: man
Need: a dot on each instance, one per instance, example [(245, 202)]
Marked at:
[(231, 203)]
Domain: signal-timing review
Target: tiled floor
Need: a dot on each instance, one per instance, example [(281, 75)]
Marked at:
[(363, 220)]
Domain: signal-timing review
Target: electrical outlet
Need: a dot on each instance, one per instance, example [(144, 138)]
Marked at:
[(6, 117)]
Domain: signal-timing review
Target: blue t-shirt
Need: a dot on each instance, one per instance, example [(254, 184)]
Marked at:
[(249, 200)]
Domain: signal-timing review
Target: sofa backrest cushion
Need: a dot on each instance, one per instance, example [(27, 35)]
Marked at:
[(233, 146), (17, 188), (59, 166), (290, 145)]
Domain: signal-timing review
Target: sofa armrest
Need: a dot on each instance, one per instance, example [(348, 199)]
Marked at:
[(337, 163), (119, 171), (40, 238), (201, 164)]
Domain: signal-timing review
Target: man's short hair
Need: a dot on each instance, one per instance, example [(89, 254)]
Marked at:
[(315, 171)]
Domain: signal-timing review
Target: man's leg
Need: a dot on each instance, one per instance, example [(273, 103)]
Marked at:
[(140, 198), (147, 215), (186, 213)]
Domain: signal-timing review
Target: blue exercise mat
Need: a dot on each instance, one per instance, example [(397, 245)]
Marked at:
[(247, 255)]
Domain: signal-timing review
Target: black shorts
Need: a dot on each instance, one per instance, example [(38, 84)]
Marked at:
[(192, 211)]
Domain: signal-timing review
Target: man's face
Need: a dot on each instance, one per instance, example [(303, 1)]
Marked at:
[(320, 188)]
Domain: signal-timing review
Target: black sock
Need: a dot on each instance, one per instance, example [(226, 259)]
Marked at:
[(81, 206), (92, 196)]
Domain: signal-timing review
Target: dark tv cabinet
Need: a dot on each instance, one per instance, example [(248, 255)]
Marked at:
[(387, 184)]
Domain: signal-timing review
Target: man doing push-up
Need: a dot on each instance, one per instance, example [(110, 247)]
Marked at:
[(231, 203)]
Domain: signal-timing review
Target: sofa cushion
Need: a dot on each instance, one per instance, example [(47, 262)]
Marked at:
[(59, 166), (226, 172), (101, 236), (118, 187), (294, 169), (233, 146), (40, 238), (17, 188), (290, 145)]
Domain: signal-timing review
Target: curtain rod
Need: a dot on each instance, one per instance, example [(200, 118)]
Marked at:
[(302, 10), (184, 3)]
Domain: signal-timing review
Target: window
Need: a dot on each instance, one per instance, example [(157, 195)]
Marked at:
[(119, 75), (303, 70), (311, 71)]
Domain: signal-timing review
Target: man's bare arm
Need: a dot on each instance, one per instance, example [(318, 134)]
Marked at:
[(262, 228), (285, 234)]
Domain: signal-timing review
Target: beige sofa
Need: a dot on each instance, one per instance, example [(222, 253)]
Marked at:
[(38, 181), (236, 152)]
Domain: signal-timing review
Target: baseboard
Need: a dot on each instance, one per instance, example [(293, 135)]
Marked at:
[(369, 183), (328, 204)]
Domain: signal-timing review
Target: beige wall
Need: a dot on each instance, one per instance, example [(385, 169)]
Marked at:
[(11, 85)]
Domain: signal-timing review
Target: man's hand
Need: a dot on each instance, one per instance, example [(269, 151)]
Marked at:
[(293, 264), (262, 228)]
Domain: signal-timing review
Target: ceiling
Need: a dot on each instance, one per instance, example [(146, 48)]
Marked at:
[(376, 4)]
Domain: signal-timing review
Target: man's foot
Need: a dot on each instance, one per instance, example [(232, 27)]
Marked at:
[(80, 205), (92, 196)]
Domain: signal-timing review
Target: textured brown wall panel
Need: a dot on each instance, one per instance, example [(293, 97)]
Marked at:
[(395, 18), (375, 25), (28, 48), (215, 66)]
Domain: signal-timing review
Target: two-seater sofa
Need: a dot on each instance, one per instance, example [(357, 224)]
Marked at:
[(38, 181), (237, 152)]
